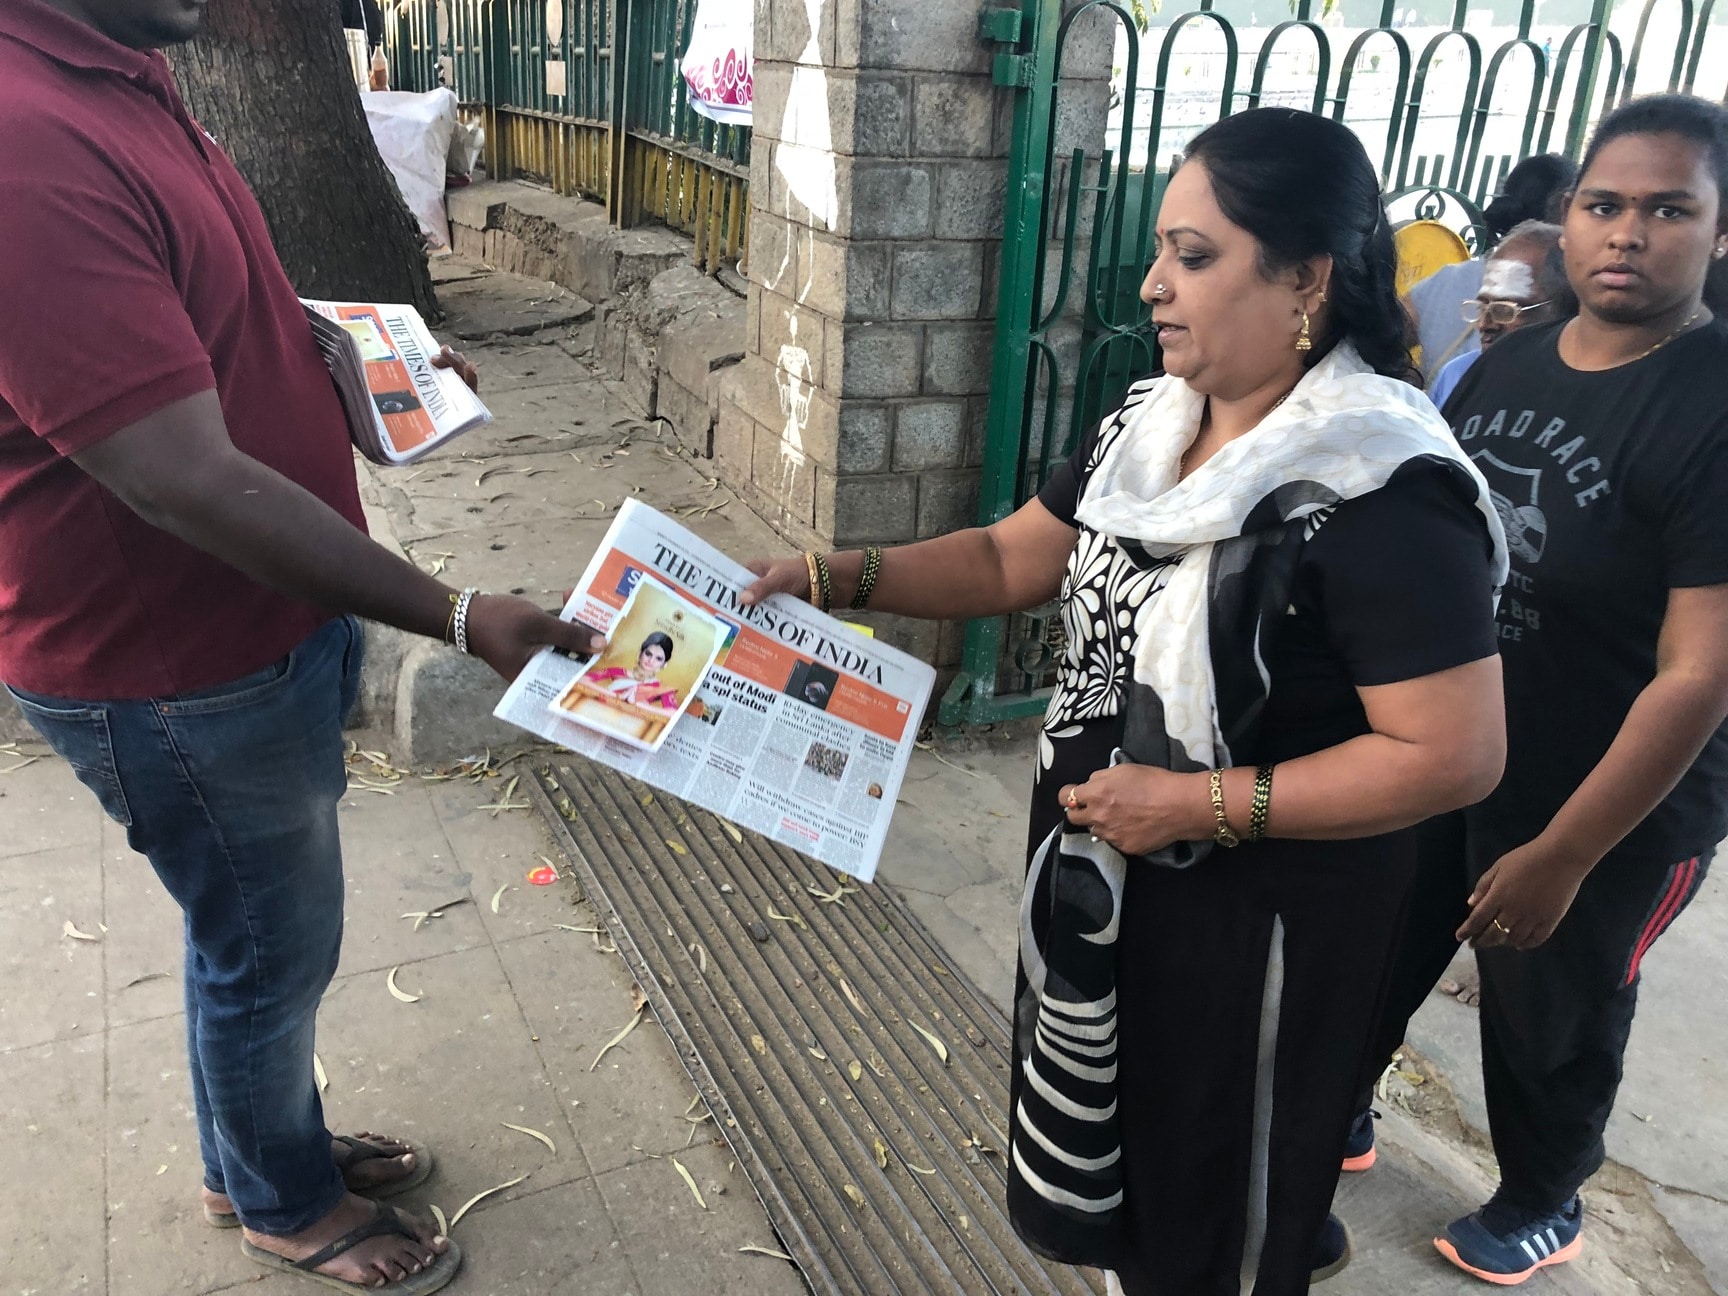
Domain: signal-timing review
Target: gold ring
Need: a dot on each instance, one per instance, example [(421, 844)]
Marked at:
[(1073, 798), (1502, 927)]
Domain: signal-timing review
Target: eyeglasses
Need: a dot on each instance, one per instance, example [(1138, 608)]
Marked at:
[(1497, 312)]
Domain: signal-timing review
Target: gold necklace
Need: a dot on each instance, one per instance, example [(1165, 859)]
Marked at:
[(1690, 321), (1182, 461)]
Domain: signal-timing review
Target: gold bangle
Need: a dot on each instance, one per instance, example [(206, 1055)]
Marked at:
[(815, 582), (1226, 835)]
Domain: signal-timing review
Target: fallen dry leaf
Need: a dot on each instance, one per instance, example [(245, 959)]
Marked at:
[(856, 1071), (759, 1044), (920, 1169), (638, 999), (71, 930), (732, 832), (924, 746), (935, 1043), (677, 846), (790, 918), (763, 1251), (851, 995), (499, 895), (881, 1155), (617, 1039), (480, 1197), (694, 1190), (532, 1133), (443, 1224), (396, 991), (318, 1072), (856, 1196)]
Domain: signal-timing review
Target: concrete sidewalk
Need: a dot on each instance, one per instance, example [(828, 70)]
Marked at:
[(99, 1170)]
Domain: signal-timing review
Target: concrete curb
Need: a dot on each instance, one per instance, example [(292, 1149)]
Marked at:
[(663, 328)]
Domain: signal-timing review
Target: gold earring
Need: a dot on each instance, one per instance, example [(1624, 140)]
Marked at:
[(1303, 341)]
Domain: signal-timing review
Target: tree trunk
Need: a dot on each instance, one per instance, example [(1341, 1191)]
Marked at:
[(271, 80)]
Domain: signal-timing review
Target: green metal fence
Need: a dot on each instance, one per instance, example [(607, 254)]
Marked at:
[(1443, 112), (585, 96)]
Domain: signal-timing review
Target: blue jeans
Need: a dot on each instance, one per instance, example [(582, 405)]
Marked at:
[(231, 793)]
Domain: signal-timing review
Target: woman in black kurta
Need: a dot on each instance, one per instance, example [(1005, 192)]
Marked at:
[(1275, 553), (1391, 586)]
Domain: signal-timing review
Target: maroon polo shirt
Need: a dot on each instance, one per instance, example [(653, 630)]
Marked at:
[(135, 270)]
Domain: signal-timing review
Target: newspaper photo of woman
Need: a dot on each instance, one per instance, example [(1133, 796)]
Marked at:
[(641, 683), (660, 648)]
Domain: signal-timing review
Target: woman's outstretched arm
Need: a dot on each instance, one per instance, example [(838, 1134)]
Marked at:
[(1015, 564)]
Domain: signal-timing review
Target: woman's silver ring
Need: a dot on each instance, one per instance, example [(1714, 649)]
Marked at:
[(1502, 927)]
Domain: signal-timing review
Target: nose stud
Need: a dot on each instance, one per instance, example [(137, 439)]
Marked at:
[(1157, 292)]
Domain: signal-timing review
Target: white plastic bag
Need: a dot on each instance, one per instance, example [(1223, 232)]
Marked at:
[(719, 65), (413, 133), (467, 143)]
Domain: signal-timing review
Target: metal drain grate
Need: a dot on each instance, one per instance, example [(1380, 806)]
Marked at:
[(879, 1164)]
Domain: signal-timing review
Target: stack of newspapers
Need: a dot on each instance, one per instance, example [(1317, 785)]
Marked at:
[(399, 406)]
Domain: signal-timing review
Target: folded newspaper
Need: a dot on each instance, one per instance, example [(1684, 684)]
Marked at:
[(399, 406), (776, 717)]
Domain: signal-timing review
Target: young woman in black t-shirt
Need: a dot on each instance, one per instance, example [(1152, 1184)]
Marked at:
[(1605, 442), (1273, 555)]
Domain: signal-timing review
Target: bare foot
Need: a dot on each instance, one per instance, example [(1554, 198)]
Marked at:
[(376, 1262), (359, 1176), (1467, 989)]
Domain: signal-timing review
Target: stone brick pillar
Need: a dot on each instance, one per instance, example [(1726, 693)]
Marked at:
[(878, 168)]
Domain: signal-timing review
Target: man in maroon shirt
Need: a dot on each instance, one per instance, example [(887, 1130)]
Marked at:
[(182, 556)]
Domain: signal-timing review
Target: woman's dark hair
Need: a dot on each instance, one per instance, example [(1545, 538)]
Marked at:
[(1698, 120), (658, 640), (1529, 193), (1303, 186)]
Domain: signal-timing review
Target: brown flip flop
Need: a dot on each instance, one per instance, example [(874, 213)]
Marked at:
[(386, 1221), (358, 1150)]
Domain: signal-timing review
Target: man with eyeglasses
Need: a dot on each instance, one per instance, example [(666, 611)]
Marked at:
[(1523, 282)]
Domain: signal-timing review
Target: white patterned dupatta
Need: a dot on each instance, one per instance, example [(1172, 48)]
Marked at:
[(1342, 433), (1229, 538)]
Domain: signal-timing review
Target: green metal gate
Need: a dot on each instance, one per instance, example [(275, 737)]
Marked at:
[(1071, 330), (585, 97)]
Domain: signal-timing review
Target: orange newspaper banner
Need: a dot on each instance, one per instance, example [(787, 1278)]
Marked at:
[(400, 405), (407, 423)]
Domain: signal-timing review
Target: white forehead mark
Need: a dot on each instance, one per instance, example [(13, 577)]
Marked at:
[(1508, 279)]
